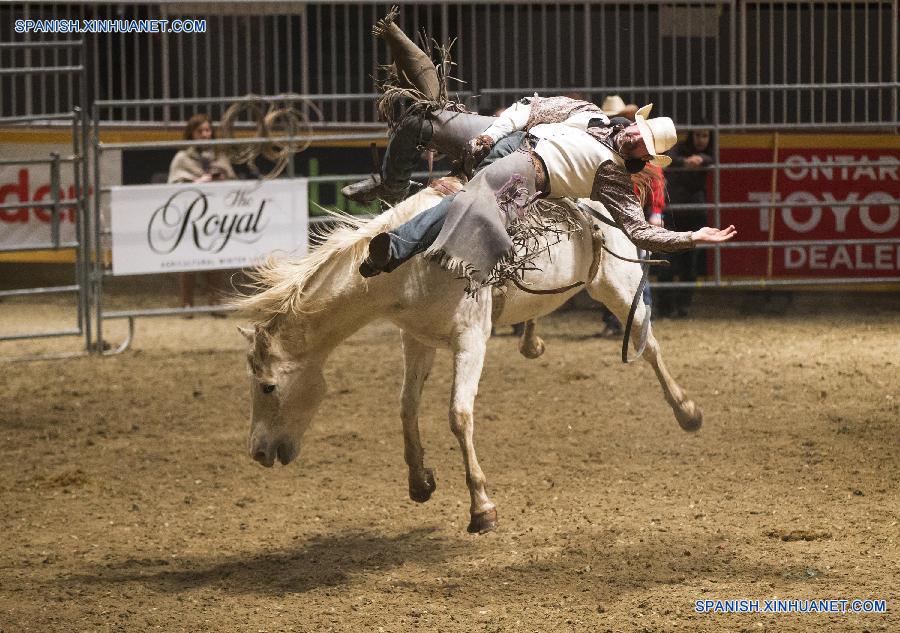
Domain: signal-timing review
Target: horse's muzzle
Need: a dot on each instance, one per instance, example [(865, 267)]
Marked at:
[(284, 450)]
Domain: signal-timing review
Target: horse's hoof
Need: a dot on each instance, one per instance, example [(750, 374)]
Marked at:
[(483, 522), (532, 350), (690, 416), (420, 491)]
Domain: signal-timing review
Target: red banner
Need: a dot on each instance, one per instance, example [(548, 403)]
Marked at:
[(818, 187), (27, 225)]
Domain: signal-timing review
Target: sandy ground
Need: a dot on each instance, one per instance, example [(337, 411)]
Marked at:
[(130, 504)]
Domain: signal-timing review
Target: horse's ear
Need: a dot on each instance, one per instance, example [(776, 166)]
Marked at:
[(261, 335), (261, 340), (246, 332)]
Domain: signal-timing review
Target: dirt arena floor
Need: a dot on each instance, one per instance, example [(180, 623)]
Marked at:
[(130, 503)]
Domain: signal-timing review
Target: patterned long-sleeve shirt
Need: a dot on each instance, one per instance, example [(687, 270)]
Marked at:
[(614, 189)]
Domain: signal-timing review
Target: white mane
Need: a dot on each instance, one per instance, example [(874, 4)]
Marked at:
[(280, 282)]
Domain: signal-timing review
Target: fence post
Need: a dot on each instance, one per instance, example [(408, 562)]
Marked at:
[(717, 184), (78, 188), (54, 192), (84, 195), (96, 267)]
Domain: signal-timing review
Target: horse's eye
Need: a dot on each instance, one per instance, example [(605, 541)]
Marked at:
[(268, 388)]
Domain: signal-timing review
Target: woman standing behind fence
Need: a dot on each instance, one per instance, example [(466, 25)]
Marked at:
[(686, 182), (198, 165)]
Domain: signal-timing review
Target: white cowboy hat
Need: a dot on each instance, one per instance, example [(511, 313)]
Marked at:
[(659, 135), (613, 105)]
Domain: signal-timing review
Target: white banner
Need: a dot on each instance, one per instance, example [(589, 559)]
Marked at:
[(234, 224)]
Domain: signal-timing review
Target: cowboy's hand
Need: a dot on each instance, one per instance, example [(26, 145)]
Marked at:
[(475, 151), (710, 235), (446, 186)]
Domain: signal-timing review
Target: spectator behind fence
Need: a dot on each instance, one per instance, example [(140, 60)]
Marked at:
[(199, 165), (686, 182)]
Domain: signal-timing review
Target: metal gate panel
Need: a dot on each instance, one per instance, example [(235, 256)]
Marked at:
[(31, 71)]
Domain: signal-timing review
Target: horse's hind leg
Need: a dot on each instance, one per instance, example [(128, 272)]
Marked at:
[(531, 345), (618, 299), (468, 360), (418, 359)]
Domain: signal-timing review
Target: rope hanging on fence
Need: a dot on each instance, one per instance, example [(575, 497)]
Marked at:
[(272, 120)]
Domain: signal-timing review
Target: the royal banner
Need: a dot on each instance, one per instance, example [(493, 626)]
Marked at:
[(823, 172), (234, 224)]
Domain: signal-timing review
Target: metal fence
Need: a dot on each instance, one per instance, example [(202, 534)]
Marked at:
[(822, 60), (42, 60)]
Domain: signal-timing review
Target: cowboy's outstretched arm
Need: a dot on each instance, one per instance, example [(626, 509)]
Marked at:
[(614, 189)]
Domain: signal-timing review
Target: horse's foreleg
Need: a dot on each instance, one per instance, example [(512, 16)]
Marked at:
[(616, 289), (467, 364), (418, 359), (530, 345)]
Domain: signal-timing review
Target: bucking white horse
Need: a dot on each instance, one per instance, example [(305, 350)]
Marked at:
[(305, 308)]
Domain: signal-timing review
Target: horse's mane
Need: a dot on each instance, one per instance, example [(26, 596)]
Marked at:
[(279, 285)]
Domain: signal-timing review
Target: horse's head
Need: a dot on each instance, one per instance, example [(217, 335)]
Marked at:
[(286, 389)]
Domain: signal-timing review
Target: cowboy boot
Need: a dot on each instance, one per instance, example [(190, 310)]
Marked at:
[(414, 68), (379, 256), (372, 188), (402, 156)]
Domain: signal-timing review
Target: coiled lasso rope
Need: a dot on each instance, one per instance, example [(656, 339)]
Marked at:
[(272, 120)]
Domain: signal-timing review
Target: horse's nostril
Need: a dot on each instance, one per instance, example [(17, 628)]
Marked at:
[(260, 456), (285, 453)]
